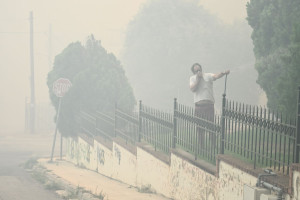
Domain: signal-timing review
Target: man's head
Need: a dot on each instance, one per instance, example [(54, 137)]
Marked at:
[(195, 68)]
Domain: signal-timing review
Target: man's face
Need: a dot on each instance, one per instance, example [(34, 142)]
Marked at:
[(198, 70)]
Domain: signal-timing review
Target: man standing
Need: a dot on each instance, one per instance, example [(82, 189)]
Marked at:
[(201, 85)]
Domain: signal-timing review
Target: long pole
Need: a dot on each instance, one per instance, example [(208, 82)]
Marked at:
[(223, 120), (174, 141), (32, 96), (140, 121), (54, 139), (61, 146), (50, 47), (297, 149)]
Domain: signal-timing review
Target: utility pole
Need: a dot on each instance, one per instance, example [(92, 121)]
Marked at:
[(50, 47), (32, 96)]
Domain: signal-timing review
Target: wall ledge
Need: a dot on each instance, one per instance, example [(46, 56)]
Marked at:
[(207, 167), (88, 139), (157, 154), (281, 180), (105, 142), (293, 167), (130, 147)]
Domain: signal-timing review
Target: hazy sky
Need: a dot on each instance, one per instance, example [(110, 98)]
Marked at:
[(71, 21)]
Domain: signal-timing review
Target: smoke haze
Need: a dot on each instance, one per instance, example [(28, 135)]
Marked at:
[(70, 21)]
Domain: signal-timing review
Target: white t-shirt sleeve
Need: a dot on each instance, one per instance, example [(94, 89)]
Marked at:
[(210, 77), (192, 79)]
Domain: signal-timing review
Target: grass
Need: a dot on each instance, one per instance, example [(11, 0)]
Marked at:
[(100, 196), (39, 176), (29, 164), (43, 179), (146, 189), (264, 142), (52, 185), (39, 173)]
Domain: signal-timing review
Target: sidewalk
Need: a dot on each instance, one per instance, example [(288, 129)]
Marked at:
[(95, 182)]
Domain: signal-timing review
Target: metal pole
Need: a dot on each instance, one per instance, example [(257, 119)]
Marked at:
[(54, 139), (26, 115), (115, 125), (61, 146), (223, 119), (297, 149), (174, 125), (50, 47), (32, 89), (223, 124), (140, 120)]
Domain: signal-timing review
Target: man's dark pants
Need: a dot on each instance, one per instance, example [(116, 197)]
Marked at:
[(206, 112)]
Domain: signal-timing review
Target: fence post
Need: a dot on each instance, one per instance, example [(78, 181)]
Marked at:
[(140, 121), (115, 125), (223, 124), (297, 149), (174, 125)]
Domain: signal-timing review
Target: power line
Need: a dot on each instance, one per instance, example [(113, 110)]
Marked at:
[(18, 32)]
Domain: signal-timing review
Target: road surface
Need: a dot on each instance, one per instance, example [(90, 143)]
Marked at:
[(16, 149)]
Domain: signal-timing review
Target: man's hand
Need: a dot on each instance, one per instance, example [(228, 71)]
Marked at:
[(199, 74), (226, 72), (217, 76)]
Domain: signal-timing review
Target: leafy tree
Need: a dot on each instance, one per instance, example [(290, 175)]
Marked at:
[(166, 37), (98, 82), (276, 47)]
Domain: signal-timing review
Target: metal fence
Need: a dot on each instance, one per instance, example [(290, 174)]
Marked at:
[(255, 135), (198, 135), (87, 123), (105, 124), (259, 135), (156, 127), (127, 125)]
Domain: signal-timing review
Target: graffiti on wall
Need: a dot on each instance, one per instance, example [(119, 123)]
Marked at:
[(117, 153), (100, 156), (72, 149), (86, 152), (297, 192)]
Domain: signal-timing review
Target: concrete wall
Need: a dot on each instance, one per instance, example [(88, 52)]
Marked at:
[(296, 182), (232, 181), (124, 165), (177, 179), (72, 150), (190, 182), (152, 173), (104, 159)]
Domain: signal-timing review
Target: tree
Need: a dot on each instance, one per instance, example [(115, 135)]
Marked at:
[(166, 37), (276, 47), (98, 82)]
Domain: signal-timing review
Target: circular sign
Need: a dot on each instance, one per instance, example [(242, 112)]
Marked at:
[(61, 86)]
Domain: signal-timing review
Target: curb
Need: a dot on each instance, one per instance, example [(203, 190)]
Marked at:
[(61, 187)]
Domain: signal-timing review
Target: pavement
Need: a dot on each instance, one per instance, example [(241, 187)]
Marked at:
[(16, 148), (100, 186)]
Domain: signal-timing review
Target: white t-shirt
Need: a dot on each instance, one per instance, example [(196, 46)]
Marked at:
[(204, 90)]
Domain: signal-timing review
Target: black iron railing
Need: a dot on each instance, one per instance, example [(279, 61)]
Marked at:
[(253, 134), (198, 135), (127, 125), (156, 128), (261, 136)]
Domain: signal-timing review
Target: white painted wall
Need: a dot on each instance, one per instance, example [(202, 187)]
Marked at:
[(179, 180), (296, 185), (189, 182), (104, 159), (124, 165), (232, 181), (152, 172)]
